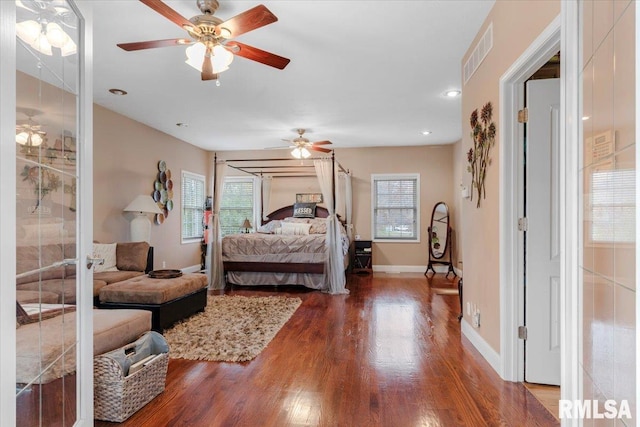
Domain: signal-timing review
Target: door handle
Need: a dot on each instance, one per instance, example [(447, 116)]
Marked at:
[(92, 261)]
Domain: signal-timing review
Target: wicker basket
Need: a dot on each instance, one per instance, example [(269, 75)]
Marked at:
[(118, 396)]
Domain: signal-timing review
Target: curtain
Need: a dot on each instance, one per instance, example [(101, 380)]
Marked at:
[(339, 194), (334, 265), (266, 197), (348, 204), (214, 249)]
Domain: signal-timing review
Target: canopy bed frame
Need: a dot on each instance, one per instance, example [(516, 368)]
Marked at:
[(279, 273)]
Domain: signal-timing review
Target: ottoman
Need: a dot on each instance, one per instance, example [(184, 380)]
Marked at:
[(169, 300)]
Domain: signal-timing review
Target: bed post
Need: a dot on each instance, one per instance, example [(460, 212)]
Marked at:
[(261, 199), (213, 190), (333, 180)]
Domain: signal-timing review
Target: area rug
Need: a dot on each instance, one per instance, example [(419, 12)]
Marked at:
[(231, 329)]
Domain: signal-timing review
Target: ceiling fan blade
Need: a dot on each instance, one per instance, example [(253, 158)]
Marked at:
[(282, 147), (169, 13), (153, 44), (323, 150), (246, 21), (321, 143), (258, 55)]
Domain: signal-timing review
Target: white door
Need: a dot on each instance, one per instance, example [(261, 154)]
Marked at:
[(542, 238)]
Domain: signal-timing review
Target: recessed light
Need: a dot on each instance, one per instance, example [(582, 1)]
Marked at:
[(118, 91), (452, 93), (585, 118), (426, 132), (182, 125)]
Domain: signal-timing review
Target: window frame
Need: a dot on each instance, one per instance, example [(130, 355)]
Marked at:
[(257, 197), (196, 177), (399, 177)]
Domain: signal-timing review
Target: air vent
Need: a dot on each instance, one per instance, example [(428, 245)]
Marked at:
[(485, 44)]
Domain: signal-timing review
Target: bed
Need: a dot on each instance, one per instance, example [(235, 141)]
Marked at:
[(272, 258)]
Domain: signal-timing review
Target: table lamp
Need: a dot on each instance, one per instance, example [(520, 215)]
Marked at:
[(246, 225), (140, 225)]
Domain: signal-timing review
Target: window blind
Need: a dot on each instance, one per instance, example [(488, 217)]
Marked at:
[(613, 206), (237, 204), (192, 206), (395, 208)]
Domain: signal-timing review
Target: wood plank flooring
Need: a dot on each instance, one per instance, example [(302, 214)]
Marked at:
[(388, 354)]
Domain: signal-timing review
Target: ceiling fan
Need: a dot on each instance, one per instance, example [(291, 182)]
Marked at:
[(210, 37), (302, 145)]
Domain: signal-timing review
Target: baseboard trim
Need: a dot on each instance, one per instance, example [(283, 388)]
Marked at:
[(413, 269), (191, 269), (489, 354), (399, 268)]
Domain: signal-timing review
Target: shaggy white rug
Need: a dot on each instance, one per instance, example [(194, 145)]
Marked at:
[(231, 329)]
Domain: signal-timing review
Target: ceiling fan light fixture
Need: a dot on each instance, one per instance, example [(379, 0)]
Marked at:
[(56, 35), (29, 137), (69, 48), (22, 138), (28, 31), (42, 45), (225, 32), (300, 153), (220, 58)]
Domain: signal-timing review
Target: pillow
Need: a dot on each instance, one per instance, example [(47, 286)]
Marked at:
[(295, 228), (304, 210), (318, 226), (270, 227), (108, 252), (293, 219), (132, 256)]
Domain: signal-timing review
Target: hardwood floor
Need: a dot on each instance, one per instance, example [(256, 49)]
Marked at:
[(388, 354)]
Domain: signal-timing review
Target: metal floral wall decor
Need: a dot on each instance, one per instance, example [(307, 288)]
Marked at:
[(483, 133)]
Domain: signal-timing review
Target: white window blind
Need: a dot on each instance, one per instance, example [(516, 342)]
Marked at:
[(613, 206), (237, 204), (192, 206), (395, 207)]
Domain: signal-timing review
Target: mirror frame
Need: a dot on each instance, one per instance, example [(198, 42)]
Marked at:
[(448, 232)]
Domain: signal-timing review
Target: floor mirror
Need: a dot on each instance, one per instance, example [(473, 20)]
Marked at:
[(440, 239)]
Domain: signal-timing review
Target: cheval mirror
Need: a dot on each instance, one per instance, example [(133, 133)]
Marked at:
[(440, 239)]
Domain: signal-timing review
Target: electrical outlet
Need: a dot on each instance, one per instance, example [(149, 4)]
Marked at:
[(476, 319), (164, 264)]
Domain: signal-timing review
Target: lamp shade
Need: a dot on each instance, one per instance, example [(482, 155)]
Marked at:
[(246, 224), (143, 203)]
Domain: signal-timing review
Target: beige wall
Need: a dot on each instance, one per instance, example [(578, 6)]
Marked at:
[(434, 164), (126, 155), (609, 269), (515, 25)]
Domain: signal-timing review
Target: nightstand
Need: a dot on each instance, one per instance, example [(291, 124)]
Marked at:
[(362, 258)]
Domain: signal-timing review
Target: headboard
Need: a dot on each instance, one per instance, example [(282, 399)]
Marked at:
[(287, 211)]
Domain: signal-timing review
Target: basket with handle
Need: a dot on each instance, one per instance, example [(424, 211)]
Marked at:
[(118, 394)]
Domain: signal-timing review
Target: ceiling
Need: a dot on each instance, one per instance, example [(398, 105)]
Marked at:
[(362, 73)]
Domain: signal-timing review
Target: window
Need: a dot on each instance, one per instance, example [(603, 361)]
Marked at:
[(613, 206), (192, 207), (396, 207), (239, 201)]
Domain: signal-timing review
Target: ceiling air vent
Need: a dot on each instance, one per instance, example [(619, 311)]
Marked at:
[(479, 53)]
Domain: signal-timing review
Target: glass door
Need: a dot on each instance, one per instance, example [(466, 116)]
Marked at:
[(49, 144)]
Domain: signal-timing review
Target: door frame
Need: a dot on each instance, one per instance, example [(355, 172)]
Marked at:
[(562, 34), (512, 197)]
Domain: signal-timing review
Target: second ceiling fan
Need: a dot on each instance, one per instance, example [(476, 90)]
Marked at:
[(302, 145), (210, 37)]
